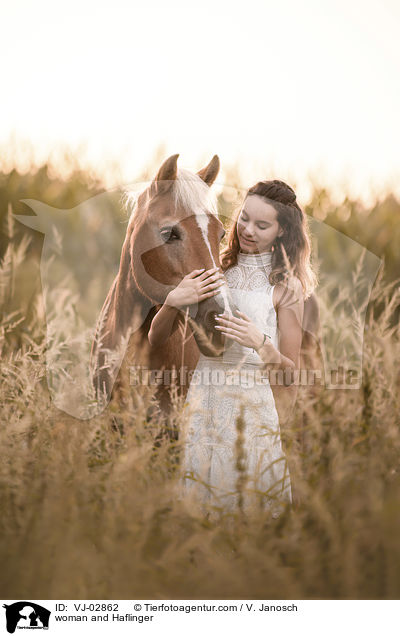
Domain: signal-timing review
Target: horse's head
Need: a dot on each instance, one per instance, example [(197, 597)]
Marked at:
[(174, 229)]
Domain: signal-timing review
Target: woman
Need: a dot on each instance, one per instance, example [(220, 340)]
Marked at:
[(267, 268)]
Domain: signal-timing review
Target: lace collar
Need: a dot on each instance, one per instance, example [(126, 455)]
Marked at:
[(262, 259)]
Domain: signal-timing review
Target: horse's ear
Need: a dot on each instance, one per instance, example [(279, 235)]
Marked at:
[(166, 174), (209, 173)]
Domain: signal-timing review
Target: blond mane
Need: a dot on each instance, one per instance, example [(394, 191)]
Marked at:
[(189, 191)]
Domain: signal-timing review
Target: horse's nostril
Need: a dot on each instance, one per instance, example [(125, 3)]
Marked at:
[(209, 320)]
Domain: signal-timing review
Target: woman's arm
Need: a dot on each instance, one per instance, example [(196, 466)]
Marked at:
[(161, 325), (290, 309)]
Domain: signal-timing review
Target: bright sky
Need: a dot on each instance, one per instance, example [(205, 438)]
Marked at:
[(284, 88)]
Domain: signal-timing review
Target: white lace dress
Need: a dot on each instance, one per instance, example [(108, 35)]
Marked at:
[(219, 388)]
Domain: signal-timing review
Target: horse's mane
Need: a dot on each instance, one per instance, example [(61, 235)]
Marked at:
[(188, 190)]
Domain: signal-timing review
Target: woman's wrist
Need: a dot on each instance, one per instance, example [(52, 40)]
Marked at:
[(171, 303), (265, 338)]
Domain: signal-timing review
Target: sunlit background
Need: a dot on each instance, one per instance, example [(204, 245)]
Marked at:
[(303, 91), (94, 96)]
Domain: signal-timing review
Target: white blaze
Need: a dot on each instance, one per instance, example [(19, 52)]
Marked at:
[(203, 222)]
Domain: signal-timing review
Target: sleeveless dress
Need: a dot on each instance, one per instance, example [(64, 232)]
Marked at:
[(221, 390)]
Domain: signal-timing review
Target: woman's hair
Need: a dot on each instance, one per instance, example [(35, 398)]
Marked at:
[(291, 251)]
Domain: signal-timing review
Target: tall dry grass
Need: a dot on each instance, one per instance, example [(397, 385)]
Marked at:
[(86, 512)]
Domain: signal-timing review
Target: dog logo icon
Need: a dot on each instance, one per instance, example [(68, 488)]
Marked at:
[(26, 615)]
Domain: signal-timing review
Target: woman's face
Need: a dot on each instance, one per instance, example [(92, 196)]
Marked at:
[(257, 225)]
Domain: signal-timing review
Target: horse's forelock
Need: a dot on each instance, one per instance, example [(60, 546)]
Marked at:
[(188, 191), (193, 194)]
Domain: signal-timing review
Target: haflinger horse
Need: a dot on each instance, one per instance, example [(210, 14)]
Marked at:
[(173, 229)]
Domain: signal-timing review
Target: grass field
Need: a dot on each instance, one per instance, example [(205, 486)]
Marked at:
[(86, 512)]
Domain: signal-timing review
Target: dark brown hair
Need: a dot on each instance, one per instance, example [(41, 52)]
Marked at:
[(291, 251)]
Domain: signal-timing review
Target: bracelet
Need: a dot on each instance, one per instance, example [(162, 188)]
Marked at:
[(263, 342)]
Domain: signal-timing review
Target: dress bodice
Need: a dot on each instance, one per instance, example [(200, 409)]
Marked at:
[(251, 291)]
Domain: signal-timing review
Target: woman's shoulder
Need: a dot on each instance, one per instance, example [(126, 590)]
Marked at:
[(288, 292)]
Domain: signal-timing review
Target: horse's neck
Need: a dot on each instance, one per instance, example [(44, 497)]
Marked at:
[(123, 313), (127, 309)]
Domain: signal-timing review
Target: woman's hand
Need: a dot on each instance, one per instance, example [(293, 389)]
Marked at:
[(195, 287), (241, 329)]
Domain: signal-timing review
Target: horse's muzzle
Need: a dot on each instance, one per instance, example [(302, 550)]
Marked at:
[(211, 341), (209, 320)]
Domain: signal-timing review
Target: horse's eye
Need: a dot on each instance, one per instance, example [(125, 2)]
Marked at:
[(169, 234)]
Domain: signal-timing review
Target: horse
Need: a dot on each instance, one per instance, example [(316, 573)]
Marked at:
[(173, 229)]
